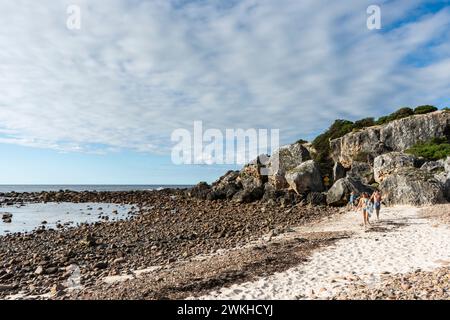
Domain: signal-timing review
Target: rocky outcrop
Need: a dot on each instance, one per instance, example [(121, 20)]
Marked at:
[(249, 195), (339, 193), (305, 178), (200, 190), (411, 186), (362, 171), (388, 163), (397, 135), (285, 159)]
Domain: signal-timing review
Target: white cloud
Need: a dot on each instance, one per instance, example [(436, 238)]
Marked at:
[(139, 69)]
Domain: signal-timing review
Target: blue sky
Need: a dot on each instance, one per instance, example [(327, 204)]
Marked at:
[(98, 105)]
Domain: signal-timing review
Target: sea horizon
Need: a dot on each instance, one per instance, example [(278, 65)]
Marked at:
[(4, 188)]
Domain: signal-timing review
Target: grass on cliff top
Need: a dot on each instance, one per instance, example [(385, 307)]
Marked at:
[(435, 149)]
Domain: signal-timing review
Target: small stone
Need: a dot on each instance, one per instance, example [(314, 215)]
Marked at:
[(101, 265), (57, 290), (118, 260), (39, 270)]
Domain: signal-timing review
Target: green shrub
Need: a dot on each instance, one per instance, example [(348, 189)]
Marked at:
[(301, 141), (399, 114), (435, 149), (424, 109), (364, 123), (382, 120)]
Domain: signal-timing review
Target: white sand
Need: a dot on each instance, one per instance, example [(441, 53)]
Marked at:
[(419, 244)]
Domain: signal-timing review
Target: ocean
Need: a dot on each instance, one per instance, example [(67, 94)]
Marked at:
[(85, 187), (28, 217)]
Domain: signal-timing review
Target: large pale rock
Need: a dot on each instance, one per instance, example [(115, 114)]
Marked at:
[(285, 159), (397, 135), (388, 163), (339, 193), (305, 178), (362, 171), (412, 186)]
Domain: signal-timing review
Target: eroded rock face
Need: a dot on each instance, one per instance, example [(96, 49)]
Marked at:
[(339, 171), (285, 159), (362, 171), (397, 135), (388, 163), (339, 193), (433, 166), (441, 172), (305, 178), (412, 186)]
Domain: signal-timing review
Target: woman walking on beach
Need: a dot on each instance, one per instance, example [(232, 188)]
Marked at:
[(364, 204)]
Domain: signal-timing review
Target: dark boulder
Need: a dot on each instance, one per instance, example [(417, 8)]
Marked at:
[(200, 190)]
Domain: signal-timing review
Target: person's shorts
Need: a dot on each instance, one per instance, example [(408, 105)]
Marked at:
[(377, 205)]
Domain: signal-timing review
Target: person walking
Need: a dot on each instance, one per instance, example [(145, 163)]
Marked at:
[(351, 201), (376, 198), (364, 205)]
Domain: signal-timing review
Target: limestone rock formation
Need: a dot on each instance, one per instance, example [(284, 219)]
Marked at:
[(388, 163), (397, 135), (284, 159), (411, 186)]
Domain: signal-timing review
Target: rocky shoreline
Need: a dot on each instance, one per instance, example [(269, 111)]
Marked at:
[(171, 226)]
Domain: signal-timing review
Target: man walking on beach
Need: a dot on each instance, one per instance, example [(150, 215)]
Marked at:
[(376, 197)]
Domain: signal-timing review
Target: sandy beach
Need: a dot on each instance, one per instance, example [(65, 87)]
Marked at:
[(403, 241)]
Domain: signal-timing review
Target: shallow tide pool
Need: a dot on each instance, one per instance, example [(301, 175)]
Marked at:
[(28, 217)]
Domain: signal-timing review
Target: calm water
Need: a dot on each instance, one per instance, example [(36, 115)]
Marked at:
[(28, 217), (87, 187)]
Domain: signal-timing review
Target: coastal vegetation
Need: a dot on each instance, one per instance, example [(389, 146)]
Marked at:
[(435, 149)]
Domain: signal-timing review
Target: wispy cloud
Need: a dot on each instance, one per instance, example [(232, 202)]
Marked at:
[(139, 69)]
